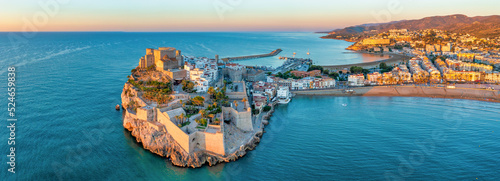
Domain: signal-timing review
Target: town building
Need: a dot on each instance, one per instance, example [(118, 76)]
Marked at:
[(356, 80), (376, 41)]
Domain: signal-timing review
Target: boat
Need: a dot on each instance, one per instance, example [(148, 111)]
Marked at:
[(348, 91), (284, 96), (308, 52), (283, 101)]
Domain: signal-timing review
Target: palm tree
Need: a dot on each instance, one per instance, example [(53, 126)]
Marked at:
[(203, 112), (235, 103), (182, 117), (243, 101), (211, 91), (211, 116), (177, 118)]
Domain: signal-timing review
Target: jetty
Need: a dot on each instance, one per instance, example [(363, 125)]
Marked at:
[(273, 53)]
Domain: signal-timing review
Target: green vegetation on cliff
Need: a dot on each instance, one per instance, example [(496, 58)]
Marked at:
[(154, 90)]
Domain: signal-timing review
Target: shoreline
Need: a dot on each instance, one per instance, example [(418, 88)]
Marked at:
[(154, 137), (410, 91), (394, 59)]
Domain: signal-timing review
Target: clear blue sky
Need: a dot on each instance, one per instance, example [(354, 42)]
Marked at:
[(224, 15)]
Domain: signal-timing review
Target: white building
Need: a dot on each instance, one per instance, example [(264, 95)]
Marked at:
[(201, 71), (283, 92), (356, 80), (301, 84)]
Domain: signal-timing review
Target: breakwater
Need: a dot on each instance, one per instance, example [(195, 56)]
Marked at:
[(411, 91), (273, 53)]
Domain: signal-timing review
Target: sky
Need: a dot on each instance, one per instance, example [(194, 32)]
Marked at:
[(223, 15)]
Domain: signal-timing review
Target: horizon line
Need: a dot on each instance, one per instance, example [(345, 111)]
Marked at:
[(320, 32)]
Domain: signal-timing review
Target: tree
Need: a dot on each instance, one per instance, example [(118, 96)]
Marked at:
[(198, 100), (384, 67), (243, 101), (182, 117), (267, 108), (235, 103), (177, 119), (356, 69), (334, 75), (187, 86), (211, 91), (152, 67), (202, 122), (279, 74), (315, 67), (203, 113)]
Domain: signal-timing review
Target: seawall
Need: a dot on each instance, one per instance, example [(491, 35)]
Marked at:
[(155, 137), (273, 53), (411, 91)]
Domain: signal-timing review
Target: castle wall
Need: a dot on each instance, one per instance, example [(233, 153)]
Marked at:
[(150, 60), (176, 74), (131, 115), (179, 136), (234, 75), (243, 119), (142, 63), (213, 142), (170, 64), (145, 114)]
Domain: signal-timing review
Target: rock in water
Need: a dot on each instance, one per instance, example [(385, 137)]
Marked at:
[(117, 107)]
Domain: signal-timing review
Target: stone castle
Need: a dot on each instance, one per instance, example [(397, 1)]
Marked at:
[(165, 59), (190, 138)]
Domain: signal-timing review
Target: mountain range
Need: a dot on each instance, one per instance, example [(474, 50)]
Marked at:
[(480, 26)]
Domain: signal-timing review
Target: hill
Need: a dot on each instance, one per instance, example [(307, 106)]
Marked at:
[(480, 26)]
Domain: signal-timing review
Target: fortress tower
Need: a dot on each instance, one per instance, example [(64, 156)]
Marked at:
[(166, 59)]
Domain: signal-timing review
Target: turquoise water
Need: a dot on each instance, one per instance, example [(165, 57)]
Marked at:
[(69, 83)]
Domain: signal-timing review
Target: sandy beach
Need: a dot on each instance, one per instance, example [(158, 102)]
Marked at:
[(411, 91), (395, 59)]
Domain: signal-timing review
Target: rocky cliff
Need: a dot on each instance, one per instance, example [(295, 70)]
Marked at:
[(154, 138)]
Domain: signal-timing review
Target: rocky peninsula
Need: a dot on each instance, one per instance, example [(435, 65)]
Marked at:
[(191, 128)]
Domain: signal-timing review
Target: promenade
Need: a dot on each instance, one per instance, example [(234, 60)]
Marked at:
[(410, 91)]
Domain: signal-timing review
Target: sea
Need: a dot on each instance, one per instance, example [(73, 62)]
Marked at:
[(68, 83)]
